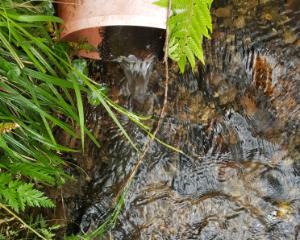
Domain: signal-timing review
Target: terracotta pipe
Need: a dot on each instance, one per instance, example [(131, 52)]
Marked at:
[(83, 19)]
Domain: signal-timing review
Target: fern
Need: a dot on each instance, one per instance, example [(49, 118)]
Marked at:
[(189, 23), (18, 195), (7, 127)]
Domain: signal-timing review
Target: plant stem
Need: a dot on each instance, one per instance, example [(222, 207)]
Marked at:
[(21, 220), (152, 137)]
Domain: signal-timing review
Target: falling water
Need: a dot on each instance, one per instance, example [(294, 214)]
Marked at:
[(137, 72)]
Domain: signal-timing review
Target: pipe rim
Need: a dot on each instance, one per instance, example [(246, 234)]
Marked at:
[(112, 20)]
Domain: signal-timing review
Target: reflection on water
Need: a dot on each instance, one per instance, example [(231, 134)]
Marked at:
[(238, 121)]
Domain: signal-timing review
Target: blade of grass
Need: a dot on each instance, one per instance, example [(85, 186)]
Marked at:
[(48, 79), (11, 50), (34, 18), (47, 126), (117, 122), (80, 109)]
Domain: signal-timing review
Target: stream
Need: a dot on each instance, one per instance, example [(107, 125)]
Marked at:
[(237, 119)]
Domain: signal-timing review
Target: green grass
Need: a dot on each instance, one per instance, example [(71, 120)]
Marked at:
[(41, 90)]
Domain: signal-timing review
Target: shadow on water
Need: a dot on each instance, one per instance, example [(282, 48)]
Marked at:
[(238, 120)]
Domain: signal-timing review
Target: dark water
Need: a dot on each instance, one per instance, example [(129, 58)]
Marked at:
[(238, 121)]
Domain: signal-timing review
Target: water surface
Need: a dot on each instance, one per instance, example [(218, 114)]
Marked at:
[(238, 121)]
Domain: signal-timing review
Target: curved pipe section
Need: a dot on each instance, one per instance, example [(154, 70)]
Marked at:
[(83, 19)]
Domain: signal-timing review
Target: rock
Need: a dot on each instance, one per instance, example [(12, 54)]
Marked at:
[(223, 12)]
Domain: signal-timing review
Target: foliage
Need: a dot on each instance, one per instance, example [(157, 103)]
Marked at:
[(17, 230), (43, 226), (18, 194), (189, 23), (41, 91), (191, 20), (34, 100)]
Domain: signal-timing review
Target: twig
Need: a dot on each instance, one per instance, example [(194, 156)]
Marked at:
[(162, 113), (63, 204), (151, 138)]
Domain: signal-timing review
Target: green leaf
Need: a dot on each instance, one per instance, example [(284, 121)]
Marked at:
[(190, 56), (48, 78), (190, 21), (32, 197), (93, 96), (34, 18), (79, 67), (114, 118), (182, 63), (18, 195), (11, 50), (161, 3), (14, 73)]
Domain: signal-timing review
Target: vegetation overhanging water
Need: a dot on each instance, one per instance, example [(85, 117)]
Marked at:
[(237, 119)]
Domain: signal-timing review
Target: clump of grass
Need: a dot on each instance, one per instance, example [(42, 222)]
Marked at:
[(41, 89)]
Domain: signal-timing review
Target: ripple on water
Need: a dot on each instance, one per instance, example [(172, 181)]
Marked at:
[(237, 120)]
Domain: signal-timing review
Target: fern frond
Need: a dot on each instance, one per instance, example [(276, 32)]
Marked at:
[(8, 127), (190, 21), (18, 195), (32, 197)]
